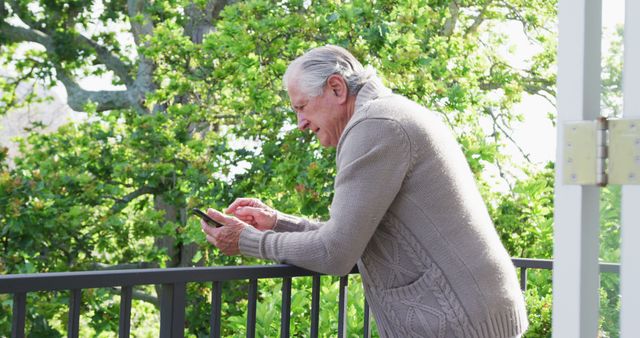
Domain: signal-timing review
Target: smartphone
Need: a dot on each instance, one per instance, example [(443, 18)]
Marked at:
[(206, 218)]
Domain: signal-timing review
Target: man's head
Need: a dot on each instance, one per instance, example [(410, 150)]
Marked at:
[(322, 85)]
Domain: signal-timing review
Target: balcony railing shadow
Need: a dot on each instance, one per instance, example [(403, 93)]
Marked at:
[(173, 296)]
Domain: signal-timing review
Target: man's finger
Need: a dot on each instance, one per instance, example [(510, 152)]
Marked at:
[(239, 202), (212, 240), (246, 219), (209, 230), (218, 216), (206, 228), (248, 211)]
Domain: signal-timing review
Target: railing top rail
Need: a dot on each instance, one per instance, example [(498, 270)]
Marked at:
[(109, 278), (56, 281), (535, 263)]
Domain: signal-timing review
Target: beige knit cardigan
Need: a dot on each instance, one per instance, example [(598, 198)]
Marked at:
[(406, 209)]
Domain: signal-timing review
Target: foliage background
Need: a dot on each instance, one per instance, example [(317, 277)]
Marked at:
[(196, 116)]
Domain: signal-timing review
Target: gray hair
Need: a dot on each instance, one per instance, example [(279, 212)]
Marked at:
[(311, 70)]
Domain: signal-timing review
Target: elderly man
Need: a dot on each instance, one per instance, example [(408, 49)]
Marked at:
[(406, 209)]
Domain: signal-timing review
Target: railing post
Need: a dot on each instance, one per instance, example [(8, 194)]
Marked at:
[(251, 308), (125, 311), (172, 305), (315, 305), (285, 316), (73, 326), (342, 307), (523, 279), (367, 320), (19, 314), (216, 309)]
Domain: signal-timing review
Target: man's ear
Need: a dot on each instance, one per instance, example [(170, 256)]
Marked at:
[(338, 87)]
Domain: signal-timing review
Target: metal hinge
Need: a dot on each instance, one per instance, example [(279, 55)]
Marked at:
[(601, 152)]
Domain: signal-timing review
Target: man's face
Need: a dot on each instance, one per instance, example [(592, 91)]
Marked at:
[(324, 115)]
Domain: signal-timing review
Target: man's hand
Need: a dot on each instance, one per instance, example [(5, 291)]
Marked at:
[(254, 212), (226, 238)]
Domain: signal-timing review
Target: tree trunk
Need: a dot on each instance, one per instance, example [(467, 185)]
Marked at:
[(171, 213)]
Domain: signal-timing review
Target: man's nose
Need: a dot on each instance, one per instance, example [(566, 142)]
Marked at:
[(303, 123)]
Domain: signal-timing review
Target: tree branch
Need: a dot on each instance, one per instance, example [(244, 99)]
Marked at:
[(201, 22), (498, 162), (141, 26), (141, 23), (139, 295), (19, 34), (77, 96), (13, 100), (479, 19), (135, 294), (517, 16), (496, 124), (450, 23), (121, 203), (15, 7), (535, 85), (531, 84), (111, 61)]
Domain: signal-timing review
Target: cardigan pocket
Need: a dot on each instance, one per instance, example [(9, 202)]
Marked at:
[(415, 308)]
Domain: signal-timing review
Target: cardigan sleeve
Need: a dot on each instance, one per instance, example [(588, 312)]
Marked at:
[(290, 223), (373, 159)]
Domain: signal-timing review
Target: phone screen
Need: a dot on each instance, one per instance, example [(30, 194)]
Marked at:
[(206, 218)]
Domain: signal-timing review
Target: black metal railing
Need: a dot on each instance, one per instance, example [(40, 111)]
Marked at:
[(546, 264), (173, 294)]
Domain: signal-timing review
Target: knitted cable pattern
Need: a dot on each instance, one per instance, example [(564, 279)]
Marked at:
[(438, 283)]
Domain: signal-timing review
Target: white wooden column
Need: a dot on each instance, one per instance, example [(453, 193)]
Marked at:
[(630, 219), (576, 221)]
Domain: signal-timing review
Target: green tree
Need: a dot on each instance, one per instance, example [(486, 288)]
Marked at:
[(199, 116)]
